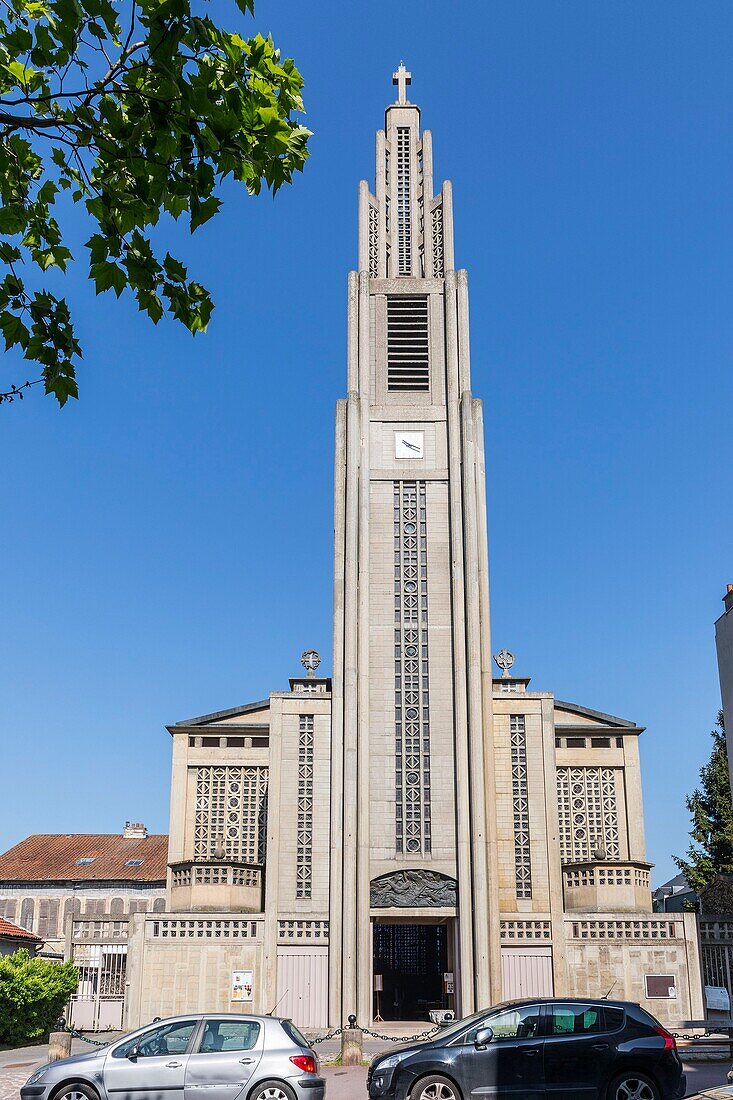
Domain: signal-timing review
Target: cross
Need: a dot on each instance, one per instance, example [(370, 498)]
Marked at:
[(401, 78)]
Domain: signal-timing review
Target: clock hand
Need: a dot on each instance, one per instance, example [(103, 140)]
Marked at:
[(412, 446)]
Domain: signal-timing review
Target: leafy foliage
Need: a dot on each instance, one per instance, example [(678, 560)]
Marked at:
[(33, 994), (711, 850), (133, 108)]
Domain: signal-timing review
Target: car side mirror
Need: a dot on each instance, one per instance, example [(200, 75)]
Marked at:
[(133, 1054), (484, 1035)]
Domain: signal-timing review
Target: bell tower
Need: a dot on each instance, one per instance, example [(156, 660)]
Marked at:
[(413, 836)]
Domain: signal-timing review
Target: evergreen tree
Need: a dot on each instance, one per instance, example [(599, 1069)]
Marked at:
[(711, 850)]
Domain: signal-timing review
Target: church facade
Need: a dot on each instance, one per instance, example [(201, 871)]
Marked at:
[(412, 834)]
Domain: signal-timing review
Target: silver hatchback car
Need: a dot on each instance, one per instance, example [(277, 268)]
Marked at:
[(217, 1056)]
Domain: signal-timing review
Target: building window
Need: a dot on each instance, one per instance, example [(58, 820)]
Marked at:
[(438, 244), (411, 663), (305, 807), (404, 211), (408, 349), (520, 804), (588, 814), (48, 917), (231, 814), (27, 914), (85, 860)]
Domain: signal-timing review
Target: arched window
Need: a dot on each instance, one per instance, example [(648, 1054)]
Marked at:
[(28, 914), (8, 908), (117, 907), (159, 905)]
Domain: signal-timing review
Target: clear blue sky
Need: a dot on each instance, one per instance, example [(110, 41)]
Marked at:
[(166, 544)]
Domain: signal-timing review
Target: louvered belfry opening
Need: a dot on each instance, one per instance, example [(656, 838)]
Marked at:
[(408, 358)]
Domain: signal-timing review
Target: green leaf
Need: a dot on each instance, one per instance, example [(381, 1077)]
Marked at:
[(204, 211), (13, 329), (108, 276)]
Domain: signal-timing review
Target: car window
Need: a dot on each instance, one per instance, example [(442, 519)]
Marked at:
[(515, 1023), (167, 1039), (614, 1018), (575, 1019), (292, 1033), (221, 1035)]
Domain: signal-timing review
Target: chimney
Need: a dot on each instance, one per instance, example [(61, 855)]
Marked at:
[(134, 830), (728, 598)]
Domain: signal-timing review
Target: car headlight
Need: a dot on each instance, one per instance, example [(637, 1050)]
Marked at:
[(388, 1063), (37, 1075)]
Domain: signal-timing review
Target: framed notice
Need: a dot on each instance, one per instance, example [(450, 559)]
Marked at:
[(242, 983), (661, 986)]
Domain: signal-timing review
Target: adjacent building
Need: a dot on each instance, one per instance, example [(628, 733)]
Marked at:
[(13, 938), (74, 893)]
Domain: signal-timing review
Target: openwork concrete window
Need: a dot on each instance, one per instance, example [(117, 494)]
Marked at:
[(373, 241), (520, 802), (408, 352), (438, 243), (231, 814), (588, 814), (305, 807), (412, 697), (404, 213)]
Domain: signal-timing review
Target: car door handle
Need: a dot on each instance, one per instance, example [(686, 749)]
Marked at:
[(531, 1053), (600, 1046), (246, 1061), (173, 1065)]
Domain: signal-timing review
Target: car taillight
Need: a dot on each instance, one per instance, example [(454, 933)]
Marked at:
[(669, 1041), (306, 1062)]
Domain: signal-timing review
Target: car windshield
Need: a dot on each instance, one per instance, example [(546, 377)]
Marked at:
[(460, 1026)]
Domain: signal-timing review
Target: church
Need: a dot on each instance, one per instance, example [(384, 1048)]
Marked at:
[(414, 834)]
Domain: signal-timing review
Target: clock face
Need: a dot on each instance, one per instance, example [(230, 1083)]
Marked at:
[(409, 444)]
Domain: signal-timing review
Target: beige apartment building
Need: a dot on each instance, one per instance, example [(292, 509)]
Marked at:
[(413, 834)]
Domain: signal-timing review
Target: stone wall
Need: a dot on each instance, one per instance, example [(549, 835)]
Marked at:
[(179, 964), (614, 955)]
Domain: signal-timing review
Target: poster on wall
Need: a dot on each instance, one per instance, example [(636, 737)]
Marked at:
[(242, 982)]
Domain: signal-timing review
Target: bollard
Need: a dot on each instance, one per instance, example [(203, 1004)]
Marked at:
[(59, 1045), (352, 1046)]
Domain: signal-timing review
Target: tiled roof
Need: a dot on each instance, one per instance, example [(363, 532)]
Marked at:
[(54, 857), (14, 933)]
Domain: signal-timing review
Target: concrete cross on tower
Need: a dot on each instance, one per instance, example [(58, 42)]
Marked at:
[(401, 78)]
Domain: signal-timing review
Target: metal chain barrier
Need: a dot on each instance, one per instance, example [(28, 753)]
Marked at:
[(401, 1038), (322, 1038), (61, 1025), (721, 1033), (374, 1034)]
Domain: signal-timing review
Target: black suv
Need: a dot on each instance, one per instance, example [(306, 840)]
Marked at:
[(538, 1050)]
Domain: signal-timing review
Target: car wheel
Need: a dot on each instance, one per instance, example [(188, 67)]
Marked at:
[(633, 1085), (435, 1088), (75, 1090), (272, 1090)]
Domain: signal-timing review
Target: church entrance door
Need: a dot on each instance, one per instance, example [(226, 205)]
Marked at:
[(410, 967)]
